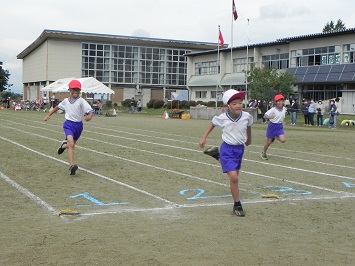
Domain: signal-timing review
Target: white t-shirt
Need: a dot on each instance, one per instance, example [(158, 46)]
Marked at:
[(279, 115), (233, 131), (75, 111)]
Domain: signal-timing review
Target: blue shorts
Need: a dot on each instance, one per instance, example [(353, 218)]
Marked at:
[(73, 129), (231, 157), (274, 130)]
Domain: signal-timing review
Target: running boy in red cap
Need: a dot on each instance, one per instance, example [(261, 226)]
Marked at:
[(236, 132), (275, 129), (75, 109)]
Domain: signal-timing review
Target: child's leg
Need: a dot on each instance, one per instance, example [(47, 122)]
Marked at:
[(70, 147), (281, 138), (234, 187), (267, 144), (234, 184)]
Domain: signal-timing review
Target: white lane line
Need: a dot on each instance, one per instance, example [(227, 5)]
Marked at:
[(301, 170), (302, 184), (86, 170), (122, 211), (30, 195), (306, 160)]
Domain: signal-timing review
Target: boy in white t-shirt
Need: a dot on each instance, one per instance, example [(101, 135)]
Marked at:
[(236, 132), (275, 130)]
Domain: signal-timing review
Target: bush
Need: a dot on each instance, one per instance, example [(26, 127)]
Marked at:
[(150, 103), (158, 104), (126, 103), (211, 104), (183, 105), (191, 103), (108, 104)]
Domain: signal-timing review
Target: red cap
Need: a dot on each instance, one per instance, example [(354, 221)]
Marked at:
[(75, 84), (278, 97)]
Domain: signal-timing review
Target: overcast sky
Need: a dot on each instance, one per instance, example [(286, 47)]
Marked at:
[(22, 21)]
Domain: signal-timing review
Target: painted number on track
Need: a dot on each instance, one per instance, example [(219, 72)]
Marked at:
[(349, 185), (286, 191), (198, 192), (94, 201)]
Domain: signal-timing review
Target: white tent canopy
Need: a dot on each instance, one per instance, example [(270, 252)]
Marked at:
[(88, 85), (56, 84)]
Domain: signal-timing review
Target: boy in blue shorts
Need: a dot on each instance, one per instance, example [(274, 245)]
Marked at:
[(75, 109), (236, 132), (275, 129)]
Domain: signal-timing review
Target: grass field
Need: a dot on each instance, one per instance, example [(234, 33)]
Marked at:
[(147, 195)]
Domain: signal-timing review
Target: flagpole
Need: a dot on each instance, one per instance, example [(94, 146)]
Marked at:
[(232, 39), (246, 76), (234, 17), (218, 64)]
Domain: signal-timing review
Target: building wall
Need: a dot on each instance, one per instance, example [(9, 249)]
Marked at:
[(35, 65), (64, 59)]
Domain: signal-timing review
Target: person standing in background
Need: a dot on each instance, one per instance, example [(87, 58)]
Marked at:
[(311, 111), (320, 111), (293, 112)]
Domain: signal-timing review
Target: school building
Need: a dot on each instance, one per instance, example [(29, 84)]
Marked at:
[(323, 63), (134, 67)]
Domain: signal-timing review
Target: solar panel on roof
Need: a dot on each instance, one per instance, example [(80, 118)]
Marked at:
[(346, 76), (321, 77), (333, 77), (324, 69), (325, 73), (291, 70), (309, 78), (349, 68), (301, 70), (337, 68), (299, 78), (312, 69)]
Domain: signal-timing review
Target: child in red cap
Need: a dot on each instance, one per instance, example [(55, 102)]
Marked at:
[(75, 109), (275, 129)]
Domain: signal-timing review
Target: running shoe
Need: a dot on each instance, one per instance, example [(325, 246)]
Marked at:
[(238, 210), (212, 151), (264, 156), (61, 149), (73, 169)]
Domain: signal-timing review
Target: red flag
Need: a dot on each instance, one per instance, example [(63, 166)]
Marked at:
[(235, 14), (220, 37)]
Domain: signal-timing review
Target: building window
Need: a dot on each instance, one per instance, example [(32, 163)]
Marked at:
[(349, 53), (276, 61), (240, 64), (206, 68), (201, 94), (134, 64), (328, 55)]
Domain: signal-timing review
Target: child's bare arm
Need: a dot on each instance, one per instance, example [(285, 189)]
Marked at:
[(248, 141), (47, 117), (204, 137)]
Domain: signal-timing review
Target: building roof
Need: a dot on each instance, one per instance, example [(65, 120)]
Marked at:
[(109, 38), (279, 41), (213, 80)]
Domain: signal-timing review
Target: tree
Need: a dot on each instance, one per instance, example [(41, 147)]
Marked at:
[(331, 27), (4, 78), (266, 83)]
